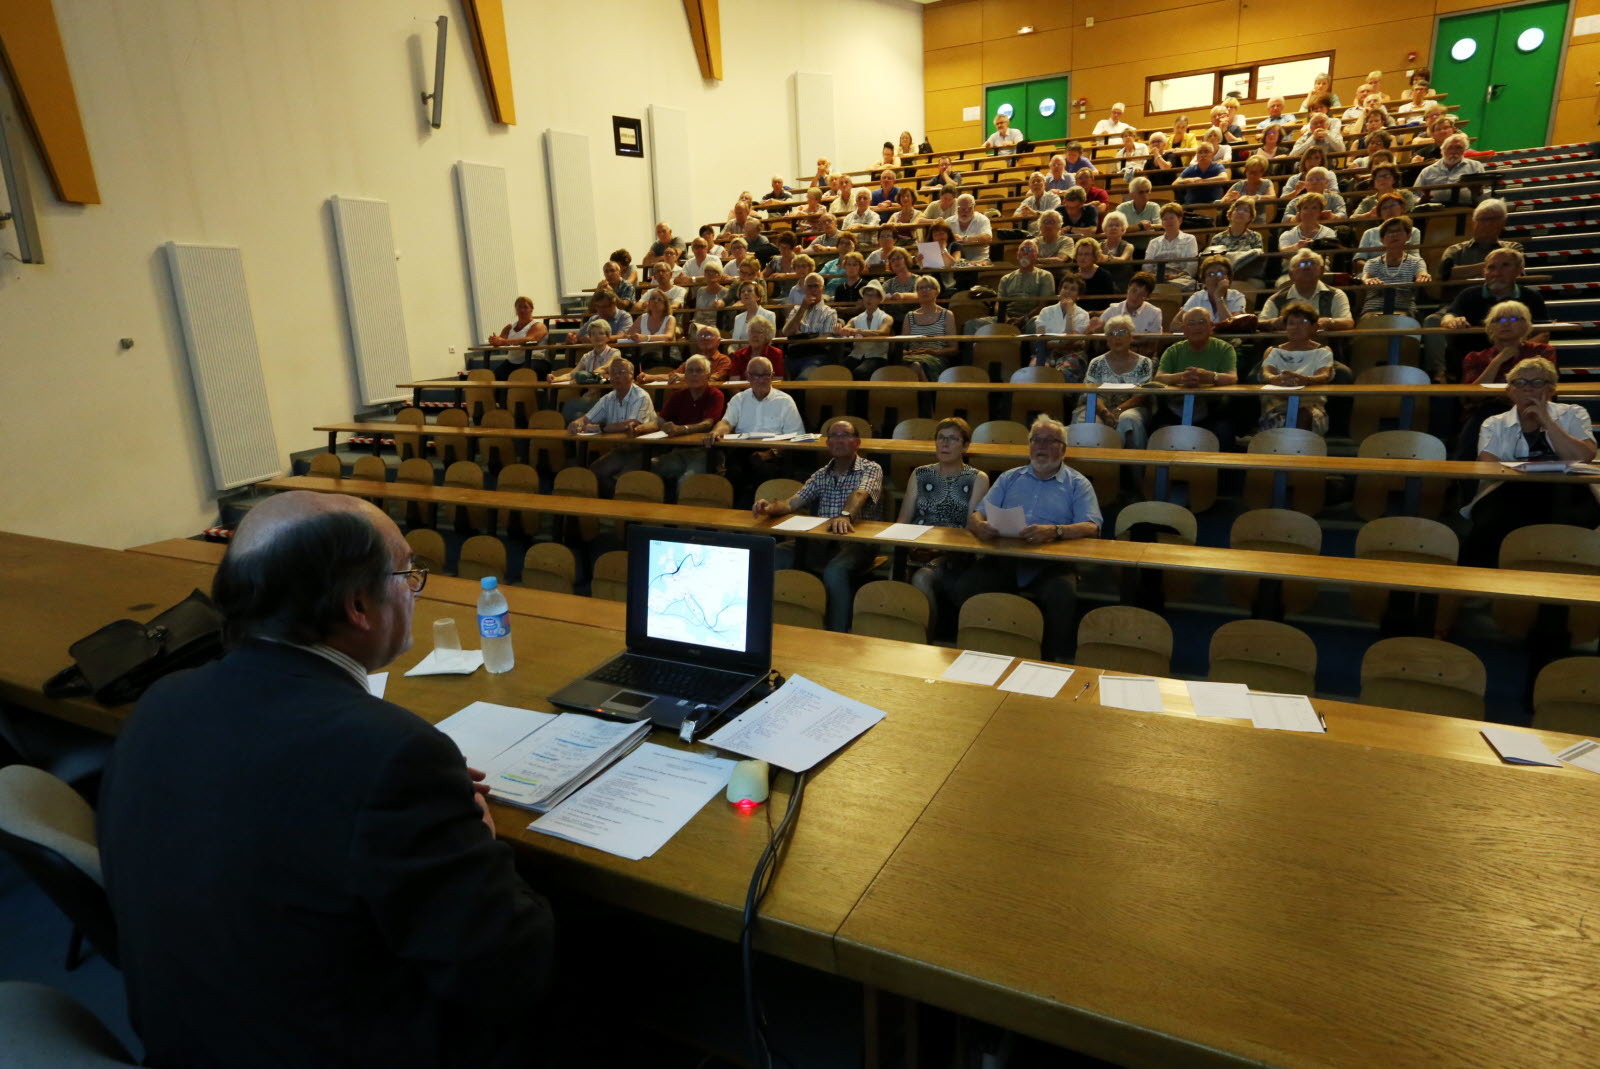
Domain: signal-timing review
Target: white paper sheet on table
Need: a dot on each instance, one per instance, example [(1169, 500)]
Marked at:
[(776, 437), (1518, 747), (1492, 385), (483, 731), (985, 669), (797, 725), (1008, 521), (799, 523), (1585, 754), (1142, 694), (1116, 386), (537, 772), (1032, 677), (1220, 699), (638, 804), (652, 434), (1270, 388), (1284, 712), (448, 663), (905, 532), (378, 683)]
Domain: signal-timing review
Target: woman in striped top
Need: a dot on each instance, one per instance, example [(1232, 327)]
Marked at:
[(1398, 266), (927, 319)]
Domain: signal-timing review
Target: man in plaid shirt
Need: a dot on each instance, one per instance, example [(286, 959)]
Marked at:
[(846, 489)]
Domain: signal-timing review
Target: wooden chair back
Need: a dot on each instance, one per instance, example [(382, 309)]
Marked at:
[(965, 308), (549, 566), (1374, 493), (427, 549), (408, 444), (1001, 623), (1198, 483), (1106, 478), (551, 456), (970, 405), (644, 486), (1409, 539), (578, 482), (482, 555), (1566, 696), (889, 609), (1001, 432), (1369, 351), (522, 401), (1274, 531), (798, 599), (1264, 655), (1369, 415), (998, 354), (1308, 491), (465, 475), (1122, 638), (1425, 675), (1176, 584), (900, 465), (887, 406), (480, 401), (370, 468), (415, 513), (1025, 404), (705, 490), (519, 479), (327, 465), (451, 448), (1550, 547), (822, 404), (778, 489), (610, 578), (496, 453)]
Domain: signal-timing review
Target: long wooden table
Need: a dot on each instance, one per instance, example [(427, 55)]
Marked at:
[(1149, 888), (1557, 588)]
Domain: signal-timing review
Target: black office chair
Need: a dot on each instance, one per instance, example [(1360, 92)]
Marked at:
[(42, 1028), (49, 829)]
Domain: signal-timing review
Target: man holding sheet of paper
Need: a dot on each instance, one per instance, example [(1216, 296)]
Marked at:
[(1043, 501), (846, 489)]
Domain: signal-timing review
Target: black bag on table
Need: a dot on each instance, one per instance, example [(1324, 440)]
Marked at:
[(117, 663)]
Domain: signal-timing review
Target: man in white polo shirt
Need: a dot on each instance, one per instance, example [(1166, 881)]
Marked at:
[(758, 410)]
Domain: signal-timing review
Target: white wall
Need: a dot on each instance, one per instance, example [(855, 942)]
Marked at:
[(232, 121)]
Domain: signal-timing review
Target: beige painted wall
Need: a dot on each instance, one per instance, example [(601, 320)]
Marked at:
[(968, 44)]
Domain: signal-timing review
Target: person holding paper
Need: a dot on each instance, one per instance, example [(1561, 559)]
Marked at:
[(304, 874), (942, 494), (846, 489), (1057, 504), (758, 410), (1534, 428)]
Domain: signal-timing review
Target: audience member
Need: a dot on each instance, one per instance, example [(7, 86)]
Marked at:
[(1005, 139), (1177, 253), (1112, 125), (942, 494), (1063, 317), (1298, 361), (1398, 267), (751, 294), (1305, 284), (1198, 361), (760, 344), (692, 410), (515, 336), (626, 409), (872, 322), (759, 410), (929, 320), (1119, 365)]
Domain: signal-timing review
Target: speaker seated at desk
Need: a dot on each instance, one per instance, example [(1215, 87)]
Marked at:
[(699, 630)]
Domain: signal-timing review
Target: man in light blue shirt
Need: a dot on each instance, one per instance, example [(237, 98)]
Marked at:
[(1057, 504), (627, 409)]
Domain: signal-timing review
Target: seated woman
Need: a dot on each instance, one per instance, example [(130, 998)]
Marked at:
[(788, 245), (1181, 137), (1321, 85), (1310, 160), (656, 324), (751, 294), (903, 218), (1299, 360), (760, 344), (1216, 295), (1063, 317), (1244, 248), (810, 213), (1119, 364), (1385, 180), (1255, 182), (1275, 148), (891, 158), (1378, 147), (942, 494), (1319, 180), (865, 357), (1162, 165), (901, 283), (710, 297), (1115, 248), (1507, 326), (1132, 153), (1196, 183), (1093, 279), (1221, 152), (1173, 250), (1398, 267), (1078, 217), (521, 331), (944, 238), (1308, 228), (905, 147), (661, 275), (803, 266), (1390, 206), (588, 370), (846, 287), (928, 320), (1535, 427)]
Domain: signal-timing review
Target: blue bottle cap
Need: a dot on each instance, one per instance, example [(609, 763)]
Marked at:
[(489, 582)]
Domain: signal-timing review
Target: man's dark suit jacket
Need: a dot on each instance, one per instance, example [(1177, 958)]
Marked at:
[(300, 877)]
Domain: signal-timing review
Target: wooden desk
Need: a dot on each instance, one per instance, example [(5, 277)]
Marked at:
[(1152, 891), (1345, 571)]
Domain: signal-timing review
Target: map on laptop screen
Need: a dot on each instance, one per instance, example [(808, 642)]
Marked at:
[(698, 594)]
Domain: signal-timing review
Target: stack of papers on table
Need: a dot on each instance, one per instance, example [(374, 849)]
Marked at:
[(1030, 677), (796, 725), (1535, 467), (537, 759)]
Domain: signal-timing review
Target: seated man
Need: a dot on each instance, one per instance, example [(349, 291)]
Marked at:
[(301, 873), (603, 309), (1112, 126), (1199, 360), (1488, 223), (692, 410), (1058, 503), (945, 177), (1502, 269), (1451, 168), (1028, 281), (626, 409), (848, 488), (708, 346), (758, 410)]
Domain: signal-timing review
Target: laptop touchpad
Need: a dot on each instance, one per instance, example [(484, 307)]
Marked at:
[(627, 703)]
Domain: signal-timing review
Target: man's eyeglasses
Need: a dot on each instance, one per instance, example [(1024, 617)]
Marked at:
[(1047, 441), (1508, 319), (416, 578), (1531, 384)]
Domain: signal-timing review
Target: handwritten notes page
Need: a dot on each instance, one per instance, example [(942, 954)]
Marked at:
[(796, 726)]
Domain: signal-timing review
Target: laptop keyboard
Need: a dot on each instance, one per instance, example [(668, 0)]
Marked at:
[(669, 677)]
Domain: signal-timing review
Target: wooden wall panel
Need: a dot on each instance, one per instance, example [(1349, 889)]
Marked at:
[(943, 108), (954, 138), (1357, 50), (1109, 10), (1105, 85), (1575, 122), (36, 66), (1446, 7), (486, 19), (1153, 41), (952, 68), (1582, 70), (1002, 18), (1032, 55), (950, 23)]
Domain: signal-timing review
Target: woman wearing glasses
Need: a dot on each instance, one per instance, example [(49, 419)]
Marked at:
[(1507, 327), (943, 494), (1119, 365), (1535, 427)]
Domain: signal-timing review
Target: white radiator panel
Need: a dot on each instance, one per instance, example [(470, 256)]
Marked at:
[(570, 177), (671, 164), (486, 228), (224, 362), (372, 302), (814, 133)]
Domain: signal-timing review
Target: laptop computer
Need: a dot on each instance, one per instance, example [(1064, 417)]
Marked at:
[(699, 629)]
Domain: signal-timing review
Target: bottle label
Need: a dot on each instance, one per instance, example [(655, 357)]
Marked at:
[(495, 626)]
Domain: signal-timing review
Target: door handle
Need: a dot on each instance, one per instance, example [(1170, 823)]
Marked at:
[(1493, 90)]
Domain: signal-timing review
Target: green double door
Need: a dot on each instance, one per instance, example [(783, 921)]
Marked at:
[(1038, 108), (1500, 68)]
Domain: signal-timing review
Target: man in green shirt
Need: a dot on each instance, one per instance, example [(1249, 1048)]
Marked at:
[(1198, 361), (1027, 280)]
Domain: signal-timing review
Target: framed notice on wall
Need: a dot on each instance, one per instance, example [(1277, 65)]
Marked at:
[(628, 135)]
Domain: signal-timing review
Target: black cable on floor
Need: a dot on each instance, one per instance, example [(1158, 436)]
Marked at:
[(760, 882)]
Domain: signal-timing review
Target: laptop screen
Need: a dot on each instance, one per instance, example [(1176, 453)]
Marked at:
[(698, 594)]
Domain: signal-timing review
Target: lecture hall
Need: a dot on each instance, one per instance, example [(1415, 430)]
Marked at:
[(889, 533)]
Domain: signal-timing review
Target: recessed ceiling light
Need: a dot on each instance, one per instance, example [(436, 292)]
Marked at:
[(1024, 29)]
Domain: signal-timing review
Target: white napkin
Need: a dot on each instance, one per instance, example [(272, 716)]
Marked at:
[(448, 663)]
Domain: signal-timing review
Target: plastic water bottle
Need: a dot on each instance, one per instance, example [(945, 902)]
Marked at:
[(494, 627)]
